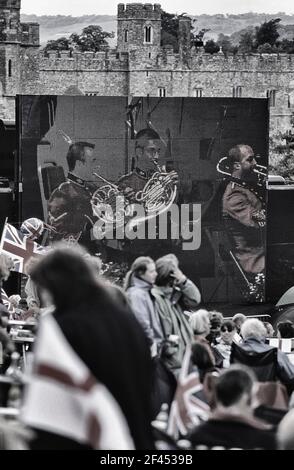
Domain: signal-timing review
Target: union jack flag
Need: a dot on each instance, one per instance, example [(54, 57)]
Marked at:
[(187, 410), (6, 302), (19, 247)]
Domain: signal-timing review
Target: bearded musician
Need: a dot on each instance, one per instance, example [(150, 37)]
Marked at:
[(243, 211)]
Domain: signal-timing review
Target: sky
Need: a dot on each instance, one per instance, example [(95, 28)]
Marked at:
[(109, 7)]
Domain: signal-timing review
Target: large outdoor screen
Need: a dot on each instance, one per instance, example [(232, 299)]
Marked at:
[(150, 176)]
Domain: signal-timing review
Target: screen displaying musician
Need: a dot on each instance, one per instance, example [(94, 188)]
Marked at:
[(242, 208), (69, 207), (145, 162)]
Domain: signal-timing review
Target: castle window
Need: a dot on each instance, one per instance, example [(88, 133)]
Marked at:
[(289, 101), (149, 55), (126, 35), (147, 73), (148, 34), (271, 95), (198, 92), (237, 92), (10, 68), (92, 93), (161, 91)]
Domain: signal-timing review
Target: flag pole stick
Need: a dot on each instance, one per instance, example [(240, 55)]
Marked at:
[(2, 235)]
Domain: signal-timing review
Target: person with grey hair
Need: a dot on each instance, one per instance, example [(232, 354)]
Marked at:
[(200, 323), (285, 432), (254, 333), (239, 319)]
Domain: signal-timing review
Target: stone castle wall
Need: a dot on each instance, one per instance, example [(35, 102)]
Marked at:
[(137, 68)]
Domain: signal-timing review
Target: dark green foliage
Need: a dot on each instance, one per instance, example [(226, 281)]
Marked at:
[(92, 39), (61, 44), (211, 47), (268, 32)]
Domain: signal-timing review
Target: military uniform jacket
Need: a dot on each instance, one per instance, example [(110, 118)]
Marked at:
[(241, 209), (69, 209)]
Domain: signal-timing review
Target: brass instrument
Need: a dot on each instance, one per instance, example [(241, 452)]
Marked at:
[(114, 206), (259, 170)]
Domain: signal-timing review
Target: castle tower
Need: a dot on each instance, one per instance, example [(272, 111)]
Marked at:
[(16, 39), (139, 27), (10, 30)]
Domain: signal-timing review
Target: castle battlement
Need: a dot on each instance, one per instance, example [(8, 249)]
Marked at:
[(139, 11), (251, 62), (83, 60)]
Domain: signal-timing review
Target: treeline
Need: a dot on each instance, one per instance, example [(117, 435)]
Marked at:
[(265, 38)]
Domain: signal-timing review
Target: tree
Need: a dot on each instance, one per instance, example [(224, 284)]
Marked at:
[(247, 42), (286, 45), (211, 47), (265, 48), (61, 44), (92, 38), (268, 32), (169, 24), (225, 43)]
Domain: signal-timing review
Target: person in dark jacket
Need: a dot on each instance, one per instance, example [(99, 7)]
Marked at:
[(232, 424), (104, 334)]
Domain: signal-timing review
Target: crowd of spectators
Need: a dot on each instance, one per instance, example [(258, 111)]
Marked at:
[(133, 342)]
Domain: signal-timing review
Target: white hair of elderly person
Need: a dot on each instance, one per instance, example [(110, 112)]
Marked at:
[(253, 328), (200, 323)]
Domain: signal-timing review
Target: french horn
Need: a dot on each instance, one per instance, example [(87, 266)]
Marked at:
[(114, 206)]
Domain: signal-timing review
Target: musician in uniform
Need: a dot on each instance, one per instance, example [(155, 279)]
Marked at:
[(242, 208), (69, 207), (145, 162)]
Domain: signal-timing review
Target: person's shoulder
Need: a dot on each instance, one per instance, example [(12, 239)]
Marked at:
[(62, 189)]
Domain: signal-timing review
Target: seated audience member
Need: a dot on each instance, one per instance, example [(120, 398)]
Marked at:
[(231, 423), (270, 332), (216, 319), (107, 339), (200, 324), (227, 331), (285, 329), (203, 358), (239, 319), (254, 334), (285, 433)]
